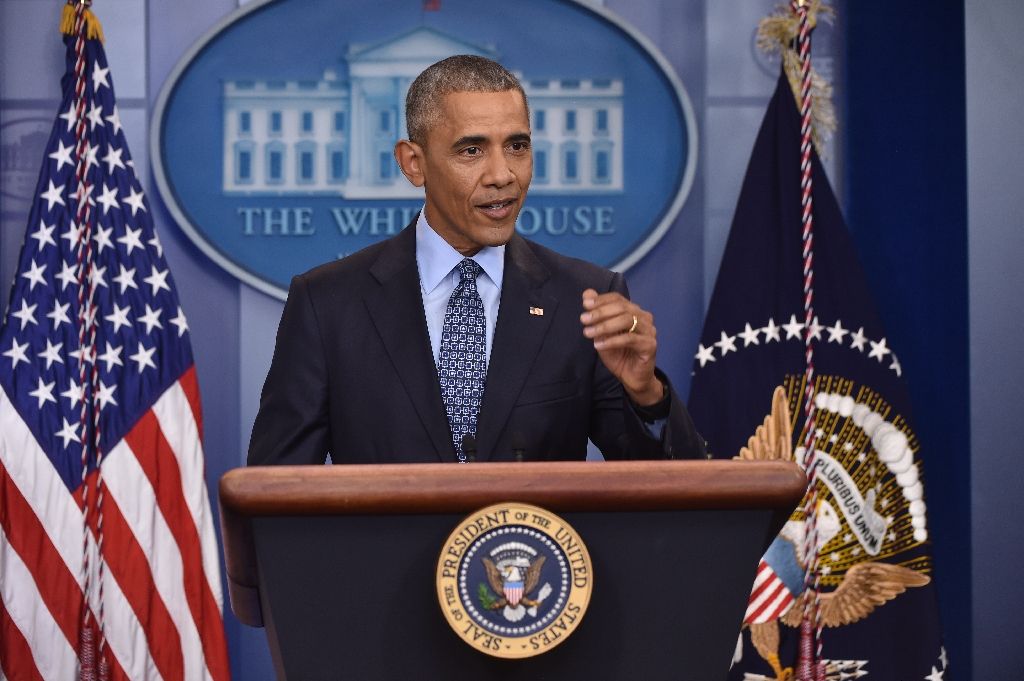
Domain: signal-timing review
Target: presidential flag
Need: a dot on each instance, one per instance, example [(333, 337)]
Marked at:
[(108, 557), (873, 578)]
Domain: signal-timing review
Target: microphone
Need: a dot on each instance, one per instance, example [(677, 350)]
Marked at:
[(469, 448), (517, 446)]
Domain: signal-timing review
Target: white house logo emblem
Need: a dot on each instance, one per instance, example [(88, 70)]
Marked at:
[(274, 166), (514, 580)]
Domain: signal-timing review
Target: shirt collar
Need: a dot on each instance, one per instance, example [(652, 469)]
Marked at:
[(435, 257)]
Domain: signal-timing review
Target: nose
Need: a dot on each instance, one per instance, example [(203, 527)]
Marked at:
[(498, 172)]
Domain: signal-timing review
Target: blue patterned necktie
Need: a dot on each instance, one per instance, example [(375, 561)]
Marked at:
[(462, 362)]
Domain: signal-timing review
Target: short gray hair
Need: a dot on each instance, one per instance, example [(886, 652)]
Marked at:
[(461, 73)]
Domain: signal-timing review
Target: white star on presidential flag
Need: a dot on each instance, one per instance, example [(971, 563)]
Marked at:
[(144, 357), (836, 333), (816, 329), (27, 313), (726, 343), (705, 355), (793, 328), (858, 339), (53, 195), (90, 155), (771, 331), (936, 675), (749, 336), (44, 235), (878, 350), (43, 393), (97, 276)]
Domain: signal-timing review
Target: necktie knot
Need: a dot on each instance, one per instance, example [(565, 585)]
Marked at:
[(469, 269)]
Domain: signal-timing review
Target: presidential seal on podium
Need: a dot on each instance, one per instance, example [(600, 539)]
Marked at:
[(514, 580)]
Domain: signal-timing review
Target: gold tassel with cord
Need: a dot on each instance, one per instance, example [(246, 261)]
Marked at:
[(778, 33), (93, 30)]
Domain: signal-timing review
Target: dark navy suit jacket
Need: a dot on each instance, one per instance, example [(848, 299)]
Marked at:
[(353, 373)]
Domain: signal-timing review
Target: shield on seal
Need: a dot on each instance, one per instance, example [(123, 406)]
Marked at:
[(513, 592)]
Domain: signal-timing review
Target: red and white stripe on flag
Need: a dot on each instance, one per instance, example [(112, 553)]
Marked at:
[(770, 597), (161, 590)]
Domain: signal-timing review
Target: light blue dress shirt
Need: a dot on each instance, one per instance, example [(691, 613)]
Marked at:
[(437, 261)]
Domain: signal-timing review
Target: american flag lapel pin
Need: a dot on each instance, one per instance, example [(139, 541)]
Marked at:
[(538, 311)]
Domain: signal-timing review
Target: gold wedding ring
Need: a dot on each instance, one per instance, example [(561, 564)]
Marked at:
[(633, 328)]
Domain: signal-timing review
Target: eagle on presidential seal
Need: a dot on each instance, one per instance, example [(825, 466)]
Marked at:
[(513, 573), (862, 583)]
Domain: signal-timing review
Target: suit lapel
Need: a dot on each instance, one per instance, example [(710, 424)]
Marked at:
[(517, 339), (396, 308)]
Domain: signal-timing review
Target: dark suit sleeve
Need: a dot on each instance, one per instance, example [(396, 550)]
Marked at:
[(618, 430), (292, 425)]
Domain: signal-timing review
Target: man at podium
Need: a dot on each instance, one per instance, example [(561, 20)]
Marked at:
[(459, 340)]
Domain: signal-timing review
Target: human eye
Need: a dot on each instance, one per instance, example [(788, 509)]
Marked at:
[(472, 151), (519, 146)]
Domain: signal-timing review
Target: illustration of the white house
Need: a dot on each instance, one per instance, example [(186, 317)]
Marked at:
[(336, 136)]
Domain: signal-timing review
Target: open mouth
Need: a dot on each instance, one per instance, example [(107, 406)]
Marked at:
[(498, 209)]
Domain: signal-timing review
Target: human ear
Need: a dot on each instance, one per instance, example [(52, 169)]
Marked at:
[(410, 159)]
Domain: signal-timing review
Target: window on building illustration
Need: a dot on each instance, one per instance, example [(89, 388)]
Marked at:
[(570, 120), (275, 163), (540, 165), (305, 159), (539, 119), (336, 162), (602, 166), (385, 121), (601, 121), (243, 162), (244, 122), (385, 170), (339, 121), (307, 121), (570, 83), (570, 164), (275, 121)]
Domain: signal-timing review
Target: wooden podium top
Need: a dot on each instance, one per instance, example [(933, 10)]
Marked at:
[(565, 485)]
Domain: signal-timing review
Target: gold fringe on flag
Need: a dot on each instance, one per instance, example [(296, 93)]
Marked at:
[(778, 33), (93, 30)]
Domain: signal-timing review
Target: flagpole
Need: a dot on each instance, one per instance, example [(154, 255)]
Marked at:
[(91, 656), (810, 666)]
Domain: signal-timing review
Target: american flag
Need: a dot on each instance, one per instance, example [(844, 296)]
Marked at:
[(110, 381)]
